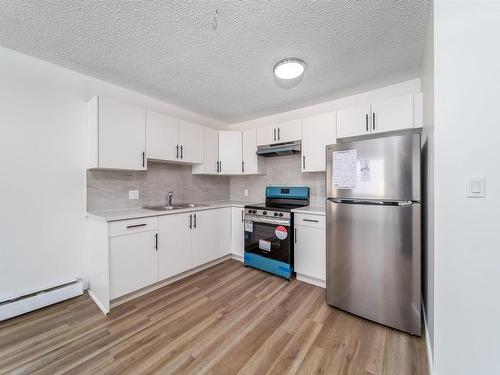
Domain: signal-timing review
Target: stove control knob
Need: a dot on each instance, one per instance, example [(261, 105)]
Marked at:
[(264, 212), (281, 214), (276, 214)]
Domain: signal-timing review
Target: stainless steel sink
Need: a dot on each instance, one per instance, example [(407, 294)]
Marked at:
[(191, 205), (176, 207), (162, 208)]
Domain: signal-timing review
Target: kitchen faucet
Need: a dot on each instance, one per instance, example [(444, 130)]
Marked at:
[(169, 198)]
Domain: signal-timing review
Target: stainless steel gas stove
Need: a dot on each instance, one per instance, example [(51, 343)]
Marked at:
[(269, 230)]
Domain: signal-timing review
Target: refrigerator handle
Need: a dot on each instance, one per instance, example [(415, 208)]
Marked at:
[(371, 202)]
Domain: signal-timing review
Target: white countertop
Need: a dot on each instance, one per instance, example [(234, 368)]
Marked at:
[(136, 213), (310, 210)]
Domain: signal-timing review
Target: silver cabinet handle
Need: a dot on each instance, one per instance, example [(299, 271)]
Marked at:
[(156, 241), (190, 221), (295, 235), (143, 158), (182, 152), (367, 122), (195, 221), (278, 134), (373, 120), (303, 162), (274, 133), (177, 151), (136, 226), (311, 220)]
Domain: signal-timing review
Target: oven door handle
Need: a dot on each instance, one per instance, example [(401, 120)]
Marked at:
[(284, 222)]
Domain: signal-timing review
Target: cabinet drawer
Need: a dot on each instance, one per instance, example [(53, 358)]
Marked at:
[(315, 221), (119, 228)]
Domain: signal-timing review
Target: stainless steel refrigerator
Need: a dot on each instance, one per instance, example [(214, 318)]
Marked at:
[(373, 229)]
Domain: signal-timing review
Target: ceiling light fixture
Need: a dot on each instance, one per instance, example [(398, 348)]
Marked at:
[(289, 68)]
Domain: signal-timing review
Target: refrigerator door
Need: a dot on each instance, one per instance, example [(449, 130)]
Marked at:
[(383, 168), (373, 262)]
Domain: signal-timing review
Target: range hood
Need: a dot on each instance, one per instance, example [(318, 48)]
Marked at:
[(279, 149)]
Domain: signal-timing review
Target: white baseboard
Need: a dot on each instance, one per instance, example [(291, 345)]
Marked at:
[(311, 280), (161, 284), (237, 257), (97, 302), (430, 358)]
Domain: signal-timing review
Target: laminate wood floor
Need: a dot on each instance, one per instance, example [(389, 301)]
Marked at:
[(224, 320)]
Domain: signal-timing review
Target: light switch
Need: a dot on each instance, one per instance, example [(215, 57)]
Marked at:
[(475, 187), (133, 194), (245, 192)]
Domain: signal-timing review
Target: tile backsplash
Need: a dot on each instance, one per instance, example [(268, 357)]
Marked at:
[(109, 189), (282, 170)]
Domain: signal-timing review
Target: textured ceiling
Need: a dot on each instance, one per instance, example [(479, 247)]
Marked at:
[(170, 50)]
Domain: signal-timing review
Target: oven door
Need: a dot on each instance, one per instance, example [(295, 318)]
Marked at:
[(271, 240)]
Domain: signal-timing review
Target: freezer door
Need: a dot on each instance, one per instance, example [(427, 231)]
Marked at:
[(383, 168), (373, 262)]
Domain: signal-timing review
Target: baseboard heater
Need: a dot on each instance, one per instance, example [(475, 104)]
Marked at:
[(36, 300)]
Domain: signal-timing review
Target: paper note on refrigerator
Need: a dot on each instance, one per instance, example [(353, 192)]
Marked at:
[(344, 169)]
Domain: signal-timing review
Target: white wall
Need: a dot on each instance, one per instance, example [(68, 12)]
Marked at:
[(43, 117), (366, 97), (467, 231), (427, 76)]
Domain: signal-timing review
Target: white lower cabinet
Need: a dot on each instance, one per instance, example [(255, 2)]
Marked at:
[(133, 260), (174, 245), (204, 237), (224, 230), (237, 231), (310, 249)]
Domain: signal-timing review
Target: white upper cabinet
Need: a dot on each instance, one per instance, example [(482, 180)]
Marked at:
[(317, 132), (401, 112), (289, 131), (230, 152), (162, 133), (210, 153), (252, 164), (190, 142), (266, 135), (353, 121), (392, 114), (117, 135), (279, 133)]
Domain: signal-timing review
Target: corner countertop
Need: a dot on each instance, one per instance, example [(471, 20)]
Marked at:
[(311, 210), (136, 213)]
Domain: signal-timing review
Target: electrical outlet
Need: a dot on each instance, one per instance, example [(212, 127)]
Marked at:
[(245, 192), (133, 194)]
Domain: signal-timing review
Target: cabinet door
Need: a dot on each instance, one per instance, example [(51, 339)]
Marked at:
[(210, 153), (310, 252), (392, 114), (204, 237), (252, 164), (162, 136), (266, 135), (230, 153), (353, 121), (224, 230), (237, 231), (317, 132), (174, 245), (289, 131), (191, 142), (122, 135), (133, 263)]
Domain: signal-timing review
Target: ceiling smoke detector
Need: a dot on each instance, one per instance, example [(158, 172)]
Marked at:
[(289, 68)]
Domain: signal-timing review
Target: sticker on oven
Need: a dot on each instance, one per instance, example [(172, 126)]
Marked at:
[(281, 232), (248, 226), (265, 245)]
